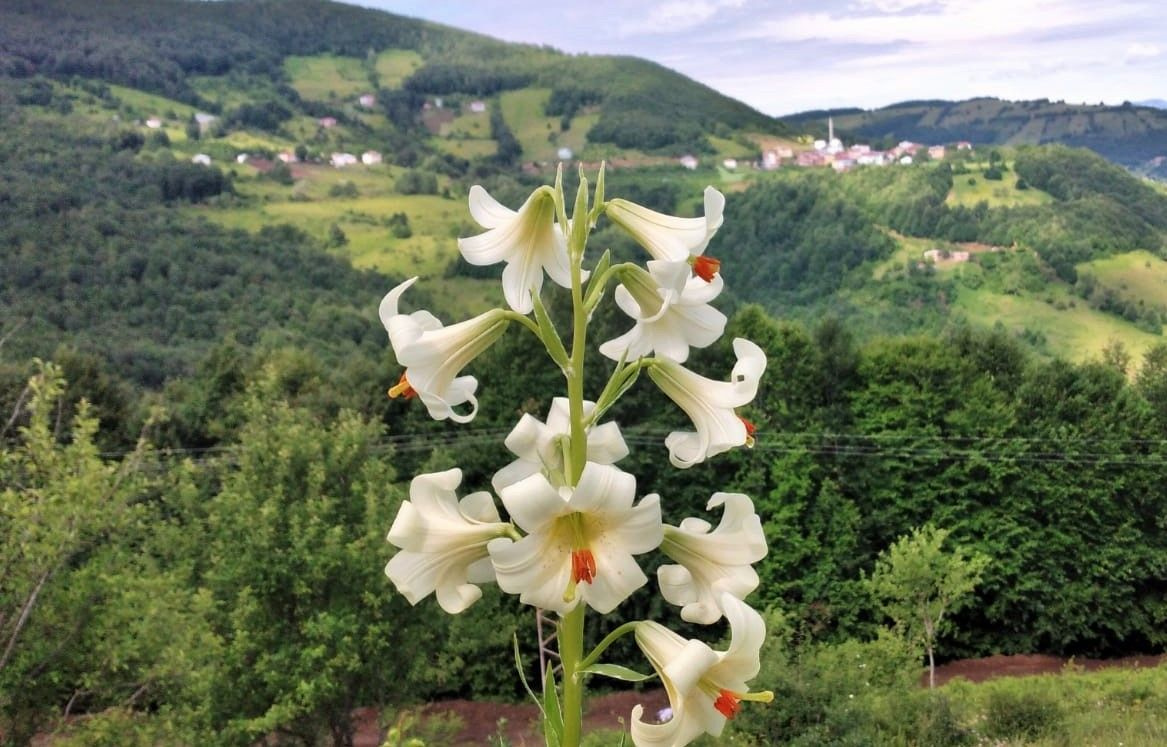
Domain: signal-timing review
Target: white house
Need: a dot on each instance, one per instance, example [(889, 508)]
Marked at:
[(371, 157), (730, 163), (153, 123), (477, 106), (326, 122), (241, 158), (688, 161), (564, 154), (340, 160), (201, 159), (367, 100)]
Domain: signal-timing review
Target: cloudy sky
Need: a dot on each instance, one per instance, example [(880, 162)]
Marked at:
[(784, 56)]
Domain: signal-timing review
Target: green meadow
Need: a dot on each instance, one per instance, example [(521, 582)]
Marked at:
[(1137, 275), (393, 66), (327, 77), (1070, 329), (971, 188)]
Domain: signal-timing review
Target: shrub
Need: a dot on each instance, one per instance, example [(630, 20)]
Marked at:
[(1018, 714)]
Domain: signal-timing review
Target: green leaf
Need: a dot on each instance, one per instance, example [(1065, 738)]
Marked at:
[(552, 714), (597, 198), (617, 672), (549, 335), (523, 676), (598, 281), (579, 218)]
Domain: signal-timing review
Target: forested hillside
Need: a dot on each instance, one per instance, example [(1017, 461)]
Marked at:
[(199, 463), (178, 49)]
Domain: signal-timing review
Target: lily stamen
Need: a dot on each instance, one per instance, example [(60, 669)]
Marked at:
[(705, 267), (583, 566), (402, 389), (751, 430)]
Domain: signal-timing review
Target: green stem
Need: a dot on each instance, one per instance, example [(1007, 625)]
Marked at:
[(609, 639), (571, 627), (571, 633)]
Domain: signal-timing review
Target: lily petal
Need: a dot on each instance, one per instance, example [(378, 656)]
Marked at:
[(712, 563), (433, 354), (528, 240), (709, 404), (665, 236), (597, 518), (538, 445), (684, 318), (443, 541), (697, 678)]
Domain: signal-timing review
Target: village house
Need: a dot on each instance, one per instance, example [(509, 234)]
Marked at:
[(340, 160), (936, 152), (843, 163), (367, 100), (564, 154), (730, 163), (326, 122), (202, 159), (477, 107), (688, 161), (153, 123), (771, 160), (811, 158), (287, 156), (371, 158)]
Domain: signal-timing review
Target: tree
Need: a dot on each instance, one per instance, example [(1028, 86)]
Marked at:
[(917, 583), (94, 610)]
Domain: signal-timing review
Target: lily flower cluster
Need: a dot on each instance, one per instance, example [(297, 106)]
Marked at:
[(574, 526)]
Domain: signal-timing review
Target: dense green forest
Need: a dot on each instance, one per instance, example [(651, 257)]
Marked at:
[(199, 462)]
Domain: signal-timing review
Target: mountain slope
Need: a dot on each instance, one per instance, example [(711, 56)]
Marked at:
[(1130, 135), (163, 46)]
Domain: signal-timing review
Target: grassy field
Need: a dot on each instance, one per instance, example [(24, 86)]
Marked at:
[(1076, 332), (327, 77), (1112, 707), (969, 189), (1140, 275), (393, 66), (143, 105)]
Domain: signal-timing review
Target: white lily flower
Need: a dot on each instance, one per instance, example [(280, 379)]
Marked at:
[(668, 237), (539, 446), (433, 354), (710, 404), (674, 317), (712, 562), (580, 541), (443, 541), (527, 240), (705, 687)]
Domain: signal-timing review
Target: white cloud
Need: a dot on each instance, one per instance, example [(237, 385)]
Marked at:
[(945, 22), (1142, 50), (675, 16)]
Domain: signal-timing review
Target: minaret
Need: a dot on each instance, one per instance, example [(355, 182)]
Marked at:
[(830, 130)]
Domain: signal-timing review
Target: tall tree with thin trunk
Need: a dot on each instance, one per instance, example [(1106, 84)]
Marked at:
[(917, 582)]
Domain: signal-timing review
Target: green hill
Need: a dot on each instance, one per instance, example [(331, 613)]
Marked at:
[(1065, 251), (1131, 135), (264, 64)]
